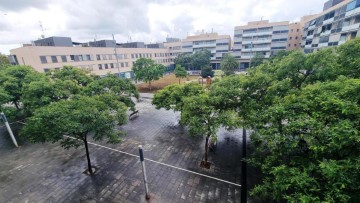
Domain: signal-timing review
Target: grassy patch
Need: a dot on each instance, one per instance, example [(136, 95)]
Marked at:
[(163, 82)]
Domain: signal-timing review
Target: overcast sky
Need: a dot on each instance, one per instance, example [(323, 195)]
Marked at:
[(137, 20)]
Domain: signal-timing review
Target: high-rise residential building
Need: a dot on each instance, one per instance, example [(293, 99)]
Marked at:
[(98, 60), (259, 37), (331, 3), (296, 31), (333, 26), (217, 44)]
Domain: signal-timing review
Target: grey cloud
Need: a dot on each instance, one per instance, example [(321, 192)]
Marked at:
[(16, 5)]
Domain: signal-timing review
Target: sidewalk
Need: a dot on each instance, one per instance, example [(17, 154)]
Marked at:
[(49, 173)]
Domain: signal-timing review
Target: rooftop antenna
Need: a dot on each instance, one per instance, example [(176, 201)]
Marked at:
[(42, 30)]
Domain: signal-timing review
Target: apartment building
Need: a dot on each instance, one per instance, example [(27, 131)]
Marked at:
[(259, 37), (174, 48), (333, 26), (296, 32), (217, 44), (98, 60)]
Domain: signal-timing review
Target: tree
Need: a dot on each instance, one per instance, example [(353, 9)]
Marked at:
[(4, 61), (309, 150), (180, 72), (45, 91), (207, 71), (147, 70), (302, 115), (202, 119), (12, 81), (256, 60), (172, 96), (124, 89), (201, 59), (349, 58), (80, 76), (70, 122), (229, 64), (184, 60)]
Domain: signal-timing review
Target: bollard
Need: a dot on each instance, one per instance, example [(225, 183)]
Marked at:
[(9, 129), (147, 195)]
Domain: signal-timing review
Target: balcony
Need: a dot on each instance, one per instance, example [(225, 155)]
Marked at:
[(257, 34), (257, 49), (350, 27), (330, 20), (258, 41), (204, 45), (310, 37), (325, 33)]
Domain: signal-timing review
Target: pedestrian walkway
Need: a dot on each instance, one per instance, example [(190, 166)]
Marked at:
[(49, 173)]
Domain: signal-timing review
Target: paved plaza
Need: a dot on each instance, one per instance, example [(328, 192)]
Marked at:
[(49, 173)]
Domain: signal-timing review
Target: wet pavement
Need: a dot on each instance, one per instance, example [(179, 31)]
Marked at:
[(49, 173)]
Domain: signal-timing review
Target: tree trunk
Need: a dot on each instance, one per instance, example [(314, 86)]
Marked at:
[(16, 105), (243, 169), (179, 81), (149, 85), (88, 155), (207, 148)]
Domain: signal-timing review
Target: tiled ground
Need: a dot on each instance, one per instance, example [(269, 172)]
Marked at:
[(49, 173)]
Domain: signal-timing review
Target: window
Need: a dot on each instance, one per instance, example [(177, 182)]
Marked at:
[(292, 30), (280, 31), (110, 57), (295, 45), (106, 66), (326, 28), (98, 57), (280, 40), (54, 59), (122, 64), (111, 65), (289, 45), (63, 59), (88, 57), (100, 66), (308, 42), (43, 59), (46, 70), (126, 64), (329, 15), (324, 39), (290, 38), (80, 58), (77, 58), (104, 57), (278, 47), (237, 42), (297, 30), (136, 56), (238, 35), (296, 37), (351, 6), (132, 56), (72, 57)]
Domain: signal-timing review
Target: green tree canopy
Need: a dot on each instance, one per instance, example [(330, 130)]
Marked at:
[(124, 89), (180, 72), (201, 59), (304, 117), (80, 76), (229, 64), (77, 118), (184, 60), (12, 81), (207, 71), (147, 70), (256, 60), (4, 61)]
